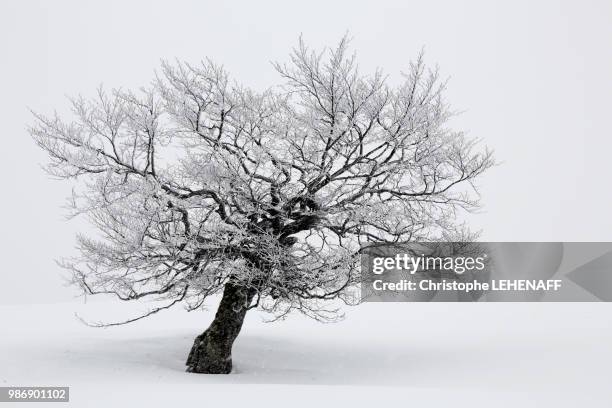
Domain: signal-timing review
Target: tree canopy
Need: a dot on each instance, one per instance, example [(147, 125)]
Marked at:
[(196, 181)]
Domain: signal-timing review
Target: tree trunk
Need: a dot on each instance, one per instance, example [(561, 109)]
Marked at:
[(212, 350)]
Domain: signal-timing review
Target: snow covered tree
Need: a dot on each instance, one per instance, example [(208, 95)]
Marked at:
[(199, 185)]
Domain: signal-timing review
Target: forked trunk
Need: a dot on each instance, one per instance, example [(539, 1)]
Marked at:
[(212, 350)]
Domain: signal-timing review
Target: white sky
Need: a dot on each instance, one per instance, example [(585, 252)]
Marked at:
[(533, 77)]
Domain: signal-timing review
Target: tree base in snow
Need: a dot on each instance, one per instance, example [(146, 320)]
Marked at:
[(205, 358), (212, 350)]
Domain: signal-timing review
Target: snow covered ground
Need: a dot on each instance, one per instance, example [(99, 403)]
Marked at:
[(385, 354)]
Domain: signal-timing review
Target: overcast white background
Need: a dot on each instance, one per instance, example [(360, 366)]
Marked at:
[(532, 77)]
